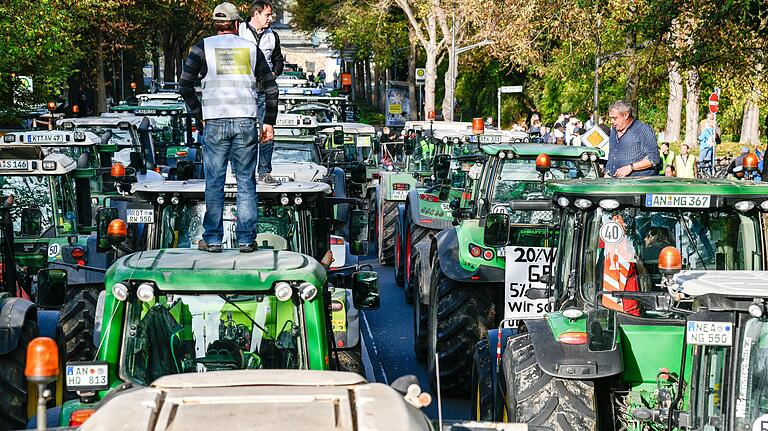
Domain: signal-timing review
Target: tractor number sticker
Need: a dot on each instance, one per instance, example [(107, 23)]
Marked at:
[(523, 270), (611, 232), (53, 250), (761, 424), (741, 401), (233, 61)]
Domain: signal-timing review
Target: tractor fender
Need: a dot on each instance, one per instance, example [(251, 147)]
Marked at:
[(13, 313), (339, 182), (47, 321), (569, 361), (493, 339), (412, 209), (446, 246)]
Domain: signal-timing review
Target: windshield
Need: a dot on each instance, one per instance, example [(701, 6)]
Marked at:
[(283, 131), (752, 380), (622, 246), (293, 154), (35, 191), (117, 136), (188, 333), (519, 179), (182, 226)]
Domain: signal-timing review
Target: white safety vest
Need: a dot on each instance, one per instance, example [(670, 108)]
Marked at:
[(229, 86)]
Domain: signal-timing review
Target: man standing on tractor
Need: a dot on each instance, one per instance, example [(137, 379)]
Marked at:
[(257, 30), (229, 68), (632, 149)]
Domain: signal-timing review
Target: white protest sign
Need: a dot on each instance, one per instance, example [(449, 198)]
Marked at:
[(523, 271)]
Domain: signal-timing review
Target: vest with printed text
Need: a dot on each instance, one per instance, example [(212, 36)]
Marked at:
[(229, 87)]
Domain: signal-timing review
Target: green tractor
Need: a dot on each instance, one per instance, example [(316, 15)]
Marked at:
[(180, 310), (610, 350), (464, 282)]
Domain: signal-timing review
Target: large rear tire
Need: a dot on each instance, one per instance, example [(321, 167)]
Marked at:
[(14, 389), (536, 398), (459, 316), (419, 276), (388, 219), (77, 323), (414, 235), (399, 255), (482, 383)]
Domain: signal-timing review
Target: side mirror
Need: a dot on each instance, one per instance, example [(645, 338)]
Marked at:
[(31, 222), (409, 142), (137, 162), (496, 232), (601, 327), (365, 290), (338, 138), (51, 288), (350, 152), (358, 232), (104, 217), (376, 142), (358, 173), (441, 166)]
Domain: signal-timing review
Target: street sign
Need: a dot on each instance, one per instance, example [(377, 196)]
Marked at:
[(597, 138), (511, 89), (714, 100), (421, 76)]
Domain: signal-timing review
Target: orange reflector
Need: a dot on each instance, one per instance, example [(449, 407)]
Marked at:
[(340, 343), (478, 126), (466, 195), (543, 162), (426, 220), (118, 170), (475, 277), (80, 416), (75, 109), (133, 85), (337, 241), (181, 153), (573, 338), (670, 260), (77, 253), (431, 115), (750, 162), (42, 359), (117, 229), (51, 106)]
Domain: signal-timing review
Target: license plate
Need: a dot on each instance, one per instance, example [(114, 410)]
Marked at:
[(501, 252), (489, 139), (677, 201), (399, 195), (15, 165), (710, 333), (87, 376), (47, 137), (140, 215)]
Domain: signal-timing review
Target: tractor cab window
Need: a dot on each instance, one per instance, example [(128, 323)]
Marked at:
[(191, 333), (518, 179), (38, 191), (123, 138), (182, 226), (622, 247), (284, 153), (751, 357)]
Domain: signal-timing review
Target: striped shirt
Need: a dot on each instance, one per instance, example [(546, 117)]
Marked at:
[(196, 68), (637, 143)]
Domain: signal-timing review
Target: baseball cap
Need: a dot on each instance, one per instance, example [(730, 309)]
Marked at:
[(226, 12)]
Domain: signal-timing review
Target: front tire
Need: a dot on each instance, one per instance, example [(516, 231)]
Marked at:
[(387, 220), (482, 383), (536, 398), (459, 316), (14, 390)]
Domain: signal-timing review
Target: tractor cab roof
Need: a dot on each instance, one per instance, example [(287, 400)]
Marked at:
[(111, 120), (160, 99), (352, 128), (458, 126), (294, 99), (192, 270), (528, 150), (288, 121), (50, 138), (153, 109), (636, 191), (196, 187), (724, 290)]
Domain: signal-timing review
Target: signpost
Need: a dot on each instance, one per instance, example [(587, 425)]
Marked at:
[(506, 89), (714, 102)]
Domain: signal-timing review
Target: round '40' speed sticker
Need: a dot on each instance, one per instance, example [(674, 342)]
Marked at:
[(611, 232)]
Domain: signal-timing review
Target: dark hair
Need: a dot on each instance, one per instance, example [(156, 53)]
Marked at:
[(260, 5), (660, 234), (225, 25)]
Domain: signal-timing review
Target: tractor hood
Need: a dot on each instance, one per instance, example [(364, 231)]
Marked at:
[(727, 284), (298, 171), (260, 400)]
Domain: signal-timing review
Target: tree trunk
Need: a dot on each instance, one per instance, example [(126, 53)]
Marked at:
[(630, 90), (412, 88), (368, 92), (169, 64), (750, 124), (692, 109), (674, 104), (100, 92), (431, 78), (450, 82)]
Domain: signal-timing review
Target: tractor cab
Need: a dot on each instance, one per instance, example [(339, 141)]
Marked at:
[(160, 99), (311, 102)]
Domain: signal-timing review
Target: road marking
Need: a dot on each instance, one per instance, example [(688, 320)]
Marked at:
[(375, 351)]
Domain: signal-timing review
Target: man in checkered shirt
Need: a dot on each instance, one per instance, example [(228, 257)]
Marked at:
[(632, 150)]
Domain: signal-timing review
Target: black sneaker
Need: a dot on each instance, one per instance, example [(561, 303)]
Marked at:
[(267, 179), (210, 248), (247, 248)]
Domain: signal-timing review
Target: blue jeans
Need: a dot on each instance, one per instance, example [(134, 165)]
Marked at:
[(706, 156), (265, 148), (235, 140)]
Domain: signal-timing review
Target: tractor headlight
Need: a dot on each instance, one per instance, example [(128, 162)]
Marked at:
[(584, 157), (160, 200), (756, 310), (120, 291), (49, 165), (502, 155), (307, 291), (593, 157), (764, 206), (175, 200), (298, 200), (609, 204), (582, 204), (145, 292), (744, 206), (284, 200), (563, 201), (283, 291)]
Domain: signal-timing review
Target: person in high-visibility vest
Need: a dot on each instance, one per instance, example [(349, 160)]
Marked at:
[(667, 157), (229, 68), (685, 164), (427, 148)]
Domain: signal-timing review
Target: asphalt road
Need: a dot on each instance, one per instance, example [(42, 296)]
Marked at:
[(388, 341)]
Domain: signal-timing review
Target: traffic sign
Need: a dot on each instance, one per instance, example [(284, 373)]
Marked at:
[(714, 100), (511, 89), (421, 76)]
